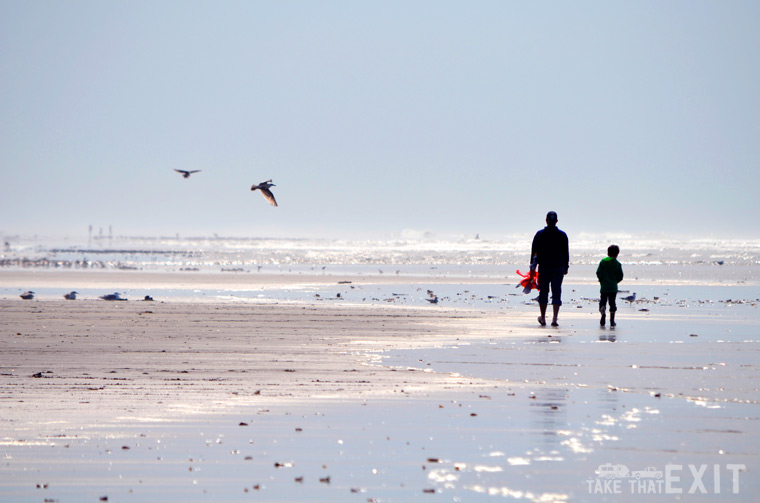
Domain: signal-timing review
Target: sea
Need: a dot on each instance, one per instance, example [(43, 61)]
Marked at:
[(459, 271)]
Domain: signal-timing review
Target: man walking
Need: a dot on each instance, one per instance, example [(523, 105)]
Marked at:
[(550, 251)]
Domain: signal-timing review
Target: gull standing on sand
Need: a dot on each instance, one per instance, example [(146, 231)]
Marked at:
[(630, 298), (112, 296), (432, 297), (186, 174), (70, 296), (264, 188), (28, 295)]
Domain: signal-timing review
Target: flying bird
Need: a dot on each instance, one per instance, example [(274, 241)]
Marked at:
[(27, 295), (186, 174), (70, 296), (264, 188)]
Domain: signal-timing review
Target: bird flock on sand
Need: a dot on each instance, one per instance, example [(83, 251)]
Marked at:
[(262, 187), (116, 296)]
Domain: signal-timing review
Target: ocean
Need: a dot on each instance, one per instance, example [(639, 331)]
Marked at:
[(468, 272)]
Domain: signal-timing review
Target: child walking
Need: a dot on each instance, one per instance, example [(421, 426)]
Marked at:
[(609, 273)]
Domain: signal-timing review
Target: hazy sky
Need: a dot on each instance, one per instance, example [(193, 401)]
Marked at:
[(375, 117)]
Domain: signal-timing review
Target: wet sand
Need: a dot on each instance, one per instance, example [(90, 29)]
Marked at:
[(96, 361), (223, 401)]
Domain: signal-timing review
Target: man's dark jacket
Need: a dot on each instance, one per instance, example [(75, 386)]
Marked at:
[(551, 249)]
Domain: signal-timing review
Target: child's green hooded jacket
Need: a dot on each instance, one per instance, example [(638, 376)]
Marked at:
[(610, 273)]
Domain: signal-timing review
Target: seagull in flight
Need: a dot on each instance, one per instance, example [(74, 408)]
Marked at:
[(186, 174), (264, 188)]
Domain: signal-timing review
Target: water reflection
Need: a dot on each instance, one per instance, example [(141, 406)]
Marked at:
[(608, 400), (608, 337), (549, 413), (555, 339)]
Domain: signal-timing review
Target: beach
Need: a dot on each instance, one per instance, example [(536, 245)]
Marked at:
[(281, 252), (329, 397)]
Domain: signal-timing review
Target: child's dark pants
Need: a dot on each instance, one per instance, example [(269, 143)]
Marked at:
[(608, 297)]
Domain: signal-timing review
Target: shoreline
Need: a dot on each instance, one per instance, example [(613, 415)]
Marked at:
[(25, 278)]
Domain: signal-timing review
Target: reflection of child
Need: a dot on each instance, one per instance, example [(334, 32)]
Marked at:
[(610, 273)]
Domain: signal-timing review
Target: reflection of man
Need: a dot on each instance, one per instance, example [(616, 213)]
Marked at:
[(550, 251)]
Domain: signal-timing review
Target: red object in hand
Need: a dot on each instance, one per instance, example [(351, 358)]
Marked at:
[(529, 281)]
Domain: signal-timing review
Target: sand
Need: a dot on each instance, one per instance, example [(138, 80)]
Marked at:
[(184, 400), (92, 361)]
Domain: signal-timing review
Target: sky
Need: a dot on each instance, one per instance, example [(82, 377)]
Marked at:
[(380, 118)]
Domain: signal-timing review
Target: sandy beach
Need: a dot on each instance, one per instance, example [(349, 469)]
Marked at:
[(214, 400), (267, 251)]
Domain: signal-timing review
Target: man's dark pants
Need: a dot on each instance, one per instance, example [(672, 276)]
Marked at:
[(550, 276)]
